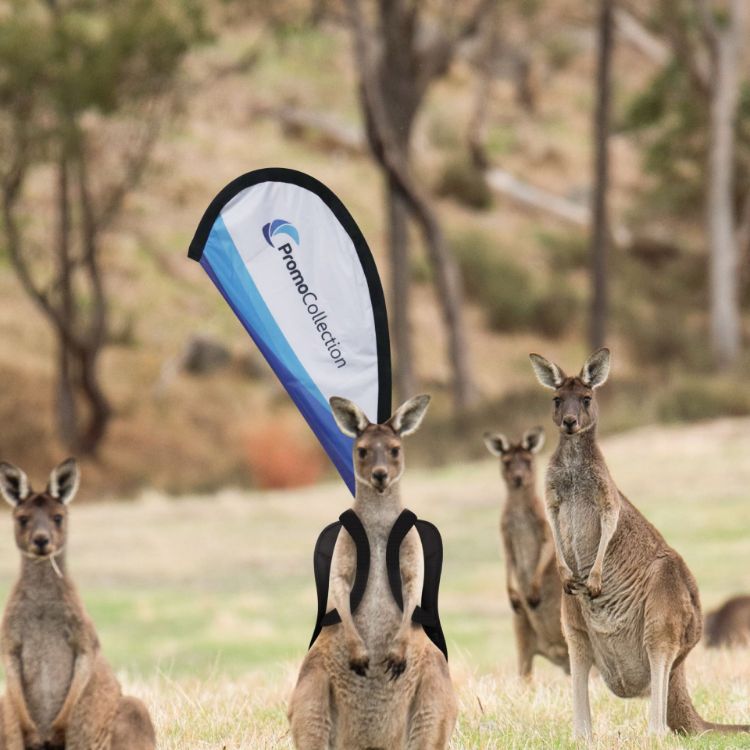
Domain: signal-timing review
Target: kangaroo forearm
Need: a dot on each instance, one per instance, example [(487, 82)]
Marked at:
[(546, 555), (411, 593), (608, 526), (82, 671), (14, 690), (340, 592), (553, 516), (510, 565)]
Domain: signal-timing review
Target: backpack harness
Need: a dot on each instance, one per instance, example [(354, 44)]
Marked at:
[(425, 614)]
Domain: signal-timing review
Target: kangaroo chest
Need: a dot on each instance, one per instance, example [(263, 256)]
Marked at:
[(377, 597), (523, 531), (378, 616), (576, 491), (47, 659)]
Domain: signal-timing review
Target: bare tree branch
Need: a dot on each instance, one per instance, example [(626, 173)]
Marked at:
[(631, 30), (388, 152)]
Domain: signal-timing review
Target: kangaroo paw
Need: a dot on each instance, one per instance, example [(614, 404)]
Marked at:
[(395, 661), (534, 598), (359, 659), (395, 668), (360, 666), (594, 584)]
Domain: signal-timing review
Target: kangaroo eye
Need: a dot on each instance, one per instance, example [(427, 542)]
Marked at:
[(23, 521), (58, 519), (586, 400), (557, 400), (361, 452), (395, 452)]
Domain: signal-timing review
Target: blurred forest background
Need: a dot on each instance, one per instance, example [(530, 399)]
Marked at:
[(540, 175)]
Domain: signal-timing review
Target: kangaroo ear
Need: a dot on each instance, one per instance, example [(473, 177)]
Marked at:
[(547, 373), (496, 443), (351, 420), (596, 369), (533, 439), (64, 481), (409, 416), (14, 484)]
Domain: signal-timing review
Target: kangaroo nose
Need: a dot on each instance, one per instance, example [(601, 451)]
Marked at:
[(518, 480), (570, 421), (41, 541), (379, 475)]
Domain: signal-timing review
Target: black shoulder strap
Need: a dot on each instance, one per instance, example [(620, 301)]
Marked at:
[(322, 565), (322, 557), (400, 529), (356, 530), (427, 614)]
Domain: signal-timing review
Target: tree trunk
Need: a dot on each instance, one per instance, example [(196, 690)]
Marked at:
[(724, 256), (450, 297), (398, 246), (65, 405), (99, 411), (388, 129), (600, 229)]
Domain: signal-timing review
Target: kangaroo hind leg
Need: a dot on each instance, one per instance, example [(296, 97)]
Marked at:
[(132, 728), (670, 613), (310, 713), (525, 642), (434, 708), (581, 661)]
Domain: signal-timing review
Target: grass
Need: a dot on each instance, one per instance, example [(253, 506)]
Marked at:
[(205, 604)]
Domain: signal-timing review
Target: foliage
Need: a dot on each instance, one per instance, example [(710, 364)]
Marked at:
[(703, 398), (656, 300), (508, 293), (565, 251), (83, 86), (90, 56), (670, 119), (462, 180)]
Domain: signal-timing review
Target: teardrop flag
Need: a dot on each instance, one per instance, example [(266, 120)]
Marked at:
[(291, 262)]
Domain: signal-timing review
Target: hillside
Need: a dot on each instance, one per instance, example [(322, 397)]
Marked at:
[(183, 433)]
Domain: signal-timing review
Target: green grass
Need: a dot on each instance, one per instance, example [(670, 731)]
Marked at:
[(205, 604)]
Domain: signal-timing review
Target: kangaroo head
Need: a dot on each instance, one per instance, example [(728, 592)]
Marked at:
[(516, 459), (378, 454), (40, 518), (575, 407)]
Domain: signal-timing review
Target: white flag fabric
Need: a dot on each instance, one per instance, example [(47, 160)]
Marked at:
[(291, 262)]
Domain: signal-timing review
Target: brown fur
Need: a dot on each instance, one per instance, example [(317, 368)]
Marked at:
[(534, 588), (729, 625), (633, 608), (60, 690), (375, 681)]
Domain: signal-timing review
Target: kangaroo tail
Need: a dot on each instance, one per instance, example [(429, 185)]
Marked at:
[(681, 714)]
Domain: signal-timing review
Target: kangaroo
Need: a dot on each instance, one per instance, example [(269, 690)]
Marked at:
[(61, 694), (633, 608), (533, 585), (729, 625), (375, 681)]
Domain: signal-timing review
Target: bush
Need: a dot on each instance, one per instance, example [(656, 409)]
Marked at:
[(501, 286), (556, 310), (279, 458), (463, 181), (566, 251), (510, 305), (704, 399), (506, 291)]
